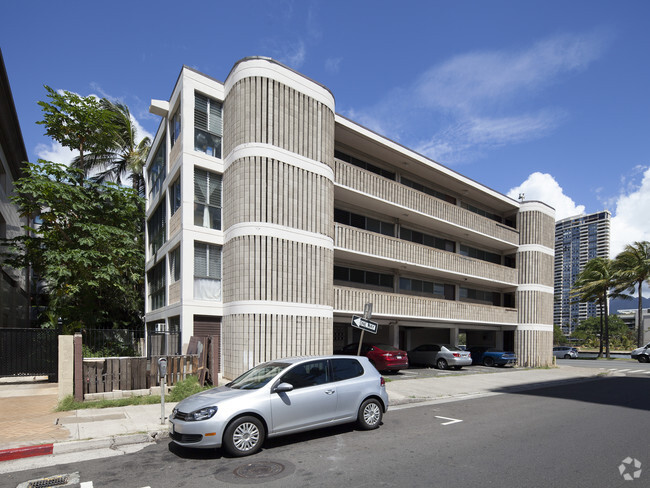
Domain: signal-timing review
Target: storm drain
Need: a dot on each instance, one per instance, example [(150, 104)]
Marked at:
[(258, 470), (58, 480)]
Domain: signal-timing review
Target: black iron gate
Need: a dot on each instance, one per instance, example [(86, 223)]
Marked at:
[(29, 352)]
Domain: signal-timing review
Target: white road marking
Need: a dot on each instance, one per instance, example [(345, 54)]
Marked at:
[(86, 484), (637, 371), (623, 370), (451, 421)]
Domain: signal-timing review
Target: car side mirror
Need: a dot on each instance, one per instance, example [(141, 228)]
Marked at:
[(283, 387)]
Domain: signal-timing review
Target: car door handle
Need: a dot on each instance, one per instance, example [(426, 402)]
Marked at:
[(329, 392)]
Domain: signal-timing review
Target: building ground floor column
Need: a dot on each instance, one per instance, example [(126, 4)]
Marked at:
[(534, 347)]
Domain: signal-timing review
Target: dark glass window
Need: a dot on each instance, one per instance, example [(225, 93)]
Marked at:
[(383, 280), (426, 239), (208, 125), (429, 191), (365, 165), (363, 222), (488, 256), (345, 369), (309, 374)]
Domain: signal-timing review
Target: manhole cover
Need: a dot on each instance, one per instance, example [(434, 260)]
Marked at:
[(258, 470)]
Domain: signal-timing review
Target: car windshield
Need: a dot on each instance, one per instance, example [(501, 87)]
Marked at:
[(257, 377)]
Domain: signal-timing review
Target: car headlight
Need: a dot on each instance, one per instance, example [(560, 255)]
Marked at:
[(202, 414)]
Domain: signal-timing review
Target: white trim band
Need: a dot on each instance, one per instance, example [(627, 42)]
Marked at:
[(535, 327), (267, 68), (279, 232), (536, 287), (261, 307), (537, 207), (261, 150), (536, 248)]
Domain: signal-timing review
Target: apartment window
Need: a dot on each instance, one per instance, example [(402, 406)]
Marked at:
[(363, 277), (363, 222), (175, 196), (488, 256), (365, 165), (207, 199), (156, 228), (208, 125), (426, 239), (429, 191), (423, 287), (479, 296), (157, 170), (156, 279), (175, 125), (480, 211), (175, 265), (207, 271)]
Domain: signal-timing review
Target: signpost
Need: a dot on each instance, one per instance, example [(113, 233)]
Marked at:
[(365, 324)]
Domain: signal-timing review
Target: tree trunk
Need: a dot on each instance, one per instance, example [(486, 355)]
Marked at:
[(607, 355), (639, 318)]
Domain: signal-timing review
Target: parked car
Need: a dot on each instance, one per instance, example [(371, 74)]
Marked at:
[(440, 356), (492, 357), (383, 356), (565, 352), (281, 397), (642, 354)]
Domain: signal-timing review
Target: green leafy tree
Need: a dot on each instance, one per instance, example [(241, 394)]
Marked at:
[(632, 268), (87, 246), (79, 123), (558, 335), (123, 155), (594, 283), (621, 337)]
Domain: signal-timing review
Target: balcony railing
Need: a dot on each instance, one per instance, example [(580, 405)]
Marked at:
[(366, 182), (371, 243), (420, 308)]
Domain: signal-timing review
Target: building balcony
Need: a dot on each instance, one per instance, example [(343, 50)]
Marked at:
[(356, 185), (362, 246), (415, 309)]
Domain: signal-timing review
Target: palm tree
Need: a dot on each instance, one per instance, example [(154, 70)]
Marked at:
[(632, 267), (594, 284), (124, 156)]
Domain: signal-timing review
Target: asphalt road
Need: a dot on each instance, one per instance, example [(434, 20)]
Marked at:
[(574, 435), (606, 364)]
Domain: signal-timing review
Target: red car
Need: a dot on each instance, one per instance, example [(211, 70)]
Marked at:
[(382, 356)]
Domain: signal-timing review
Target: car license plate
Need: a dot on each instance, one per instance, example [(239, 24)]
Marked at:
[(399, 357)]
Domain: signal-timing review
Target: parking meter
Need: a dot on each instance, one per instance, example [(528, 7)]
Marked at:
[(162, 372)]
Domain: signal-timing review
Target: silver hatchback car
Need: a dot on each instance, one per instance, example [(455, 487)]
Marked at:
[(440, 356), (281, 397), (565, 352)]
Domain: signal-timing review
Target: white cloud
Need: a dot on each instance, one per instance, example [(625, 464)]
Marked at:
[(55, 152), (543, 187), (471, 81), (293, 55), (333, 65), (630, 222)]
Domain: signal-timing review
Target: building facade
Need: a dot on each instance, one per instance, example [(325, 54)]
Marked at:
[(14, 284), (271, 220), (629, 317), (577, 240)]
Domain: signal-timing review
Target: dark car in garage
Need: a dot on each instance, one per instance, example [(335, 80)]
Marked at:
[(384, 357), (492, 357)]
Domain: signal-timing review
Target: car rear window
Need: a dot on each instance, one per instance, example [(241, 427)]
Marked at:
[(386, 347), (344, 369)]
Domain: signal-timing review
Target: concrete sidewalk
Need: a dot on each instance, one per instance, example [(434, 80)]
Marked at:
[(29, 427)]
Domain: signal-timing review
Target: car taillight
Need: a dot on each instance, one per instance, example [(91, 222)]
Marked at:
[(387, 355), (382, 382), (456, 355)]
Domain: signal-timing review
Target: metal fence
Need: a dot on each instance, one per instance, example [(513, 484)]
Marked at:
[(29, 352), (105, 343)]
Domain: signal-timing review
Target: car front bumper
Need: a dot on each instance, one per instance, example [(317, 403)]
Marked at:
[(202, 434)]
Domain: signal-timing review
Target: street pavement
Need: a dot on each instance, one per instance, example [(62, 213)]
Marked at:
[(29, 426)]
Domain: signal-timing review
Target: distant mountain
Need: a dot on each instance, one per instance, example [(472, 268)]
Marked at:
[(617, 304)]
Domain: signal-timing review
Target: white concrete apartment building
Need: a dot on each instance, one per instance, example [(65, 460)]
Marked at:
[(271, 220)]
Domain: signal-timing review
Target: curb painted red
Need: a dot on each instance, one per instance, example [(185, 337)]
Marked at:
[(23, 452)]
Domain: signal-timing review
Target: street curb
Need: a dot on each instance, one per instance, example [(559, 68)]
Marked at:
[(112, 442), (24, 452)]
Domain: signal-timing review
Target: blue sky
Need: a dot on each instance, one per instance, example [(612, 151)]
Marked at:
[(547, 98)]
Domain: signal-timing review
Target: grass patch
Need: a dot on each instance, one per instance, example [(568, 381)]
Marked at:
[(181, 390)]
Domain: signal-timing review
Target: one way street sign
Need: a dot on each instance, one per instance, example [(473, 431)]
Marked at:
[(364, 324)]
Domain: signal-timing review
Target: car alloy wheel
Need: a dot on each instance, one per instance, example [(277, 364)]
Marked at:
[(370, 414), (442, 364), (488, 362), (244, 436)]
